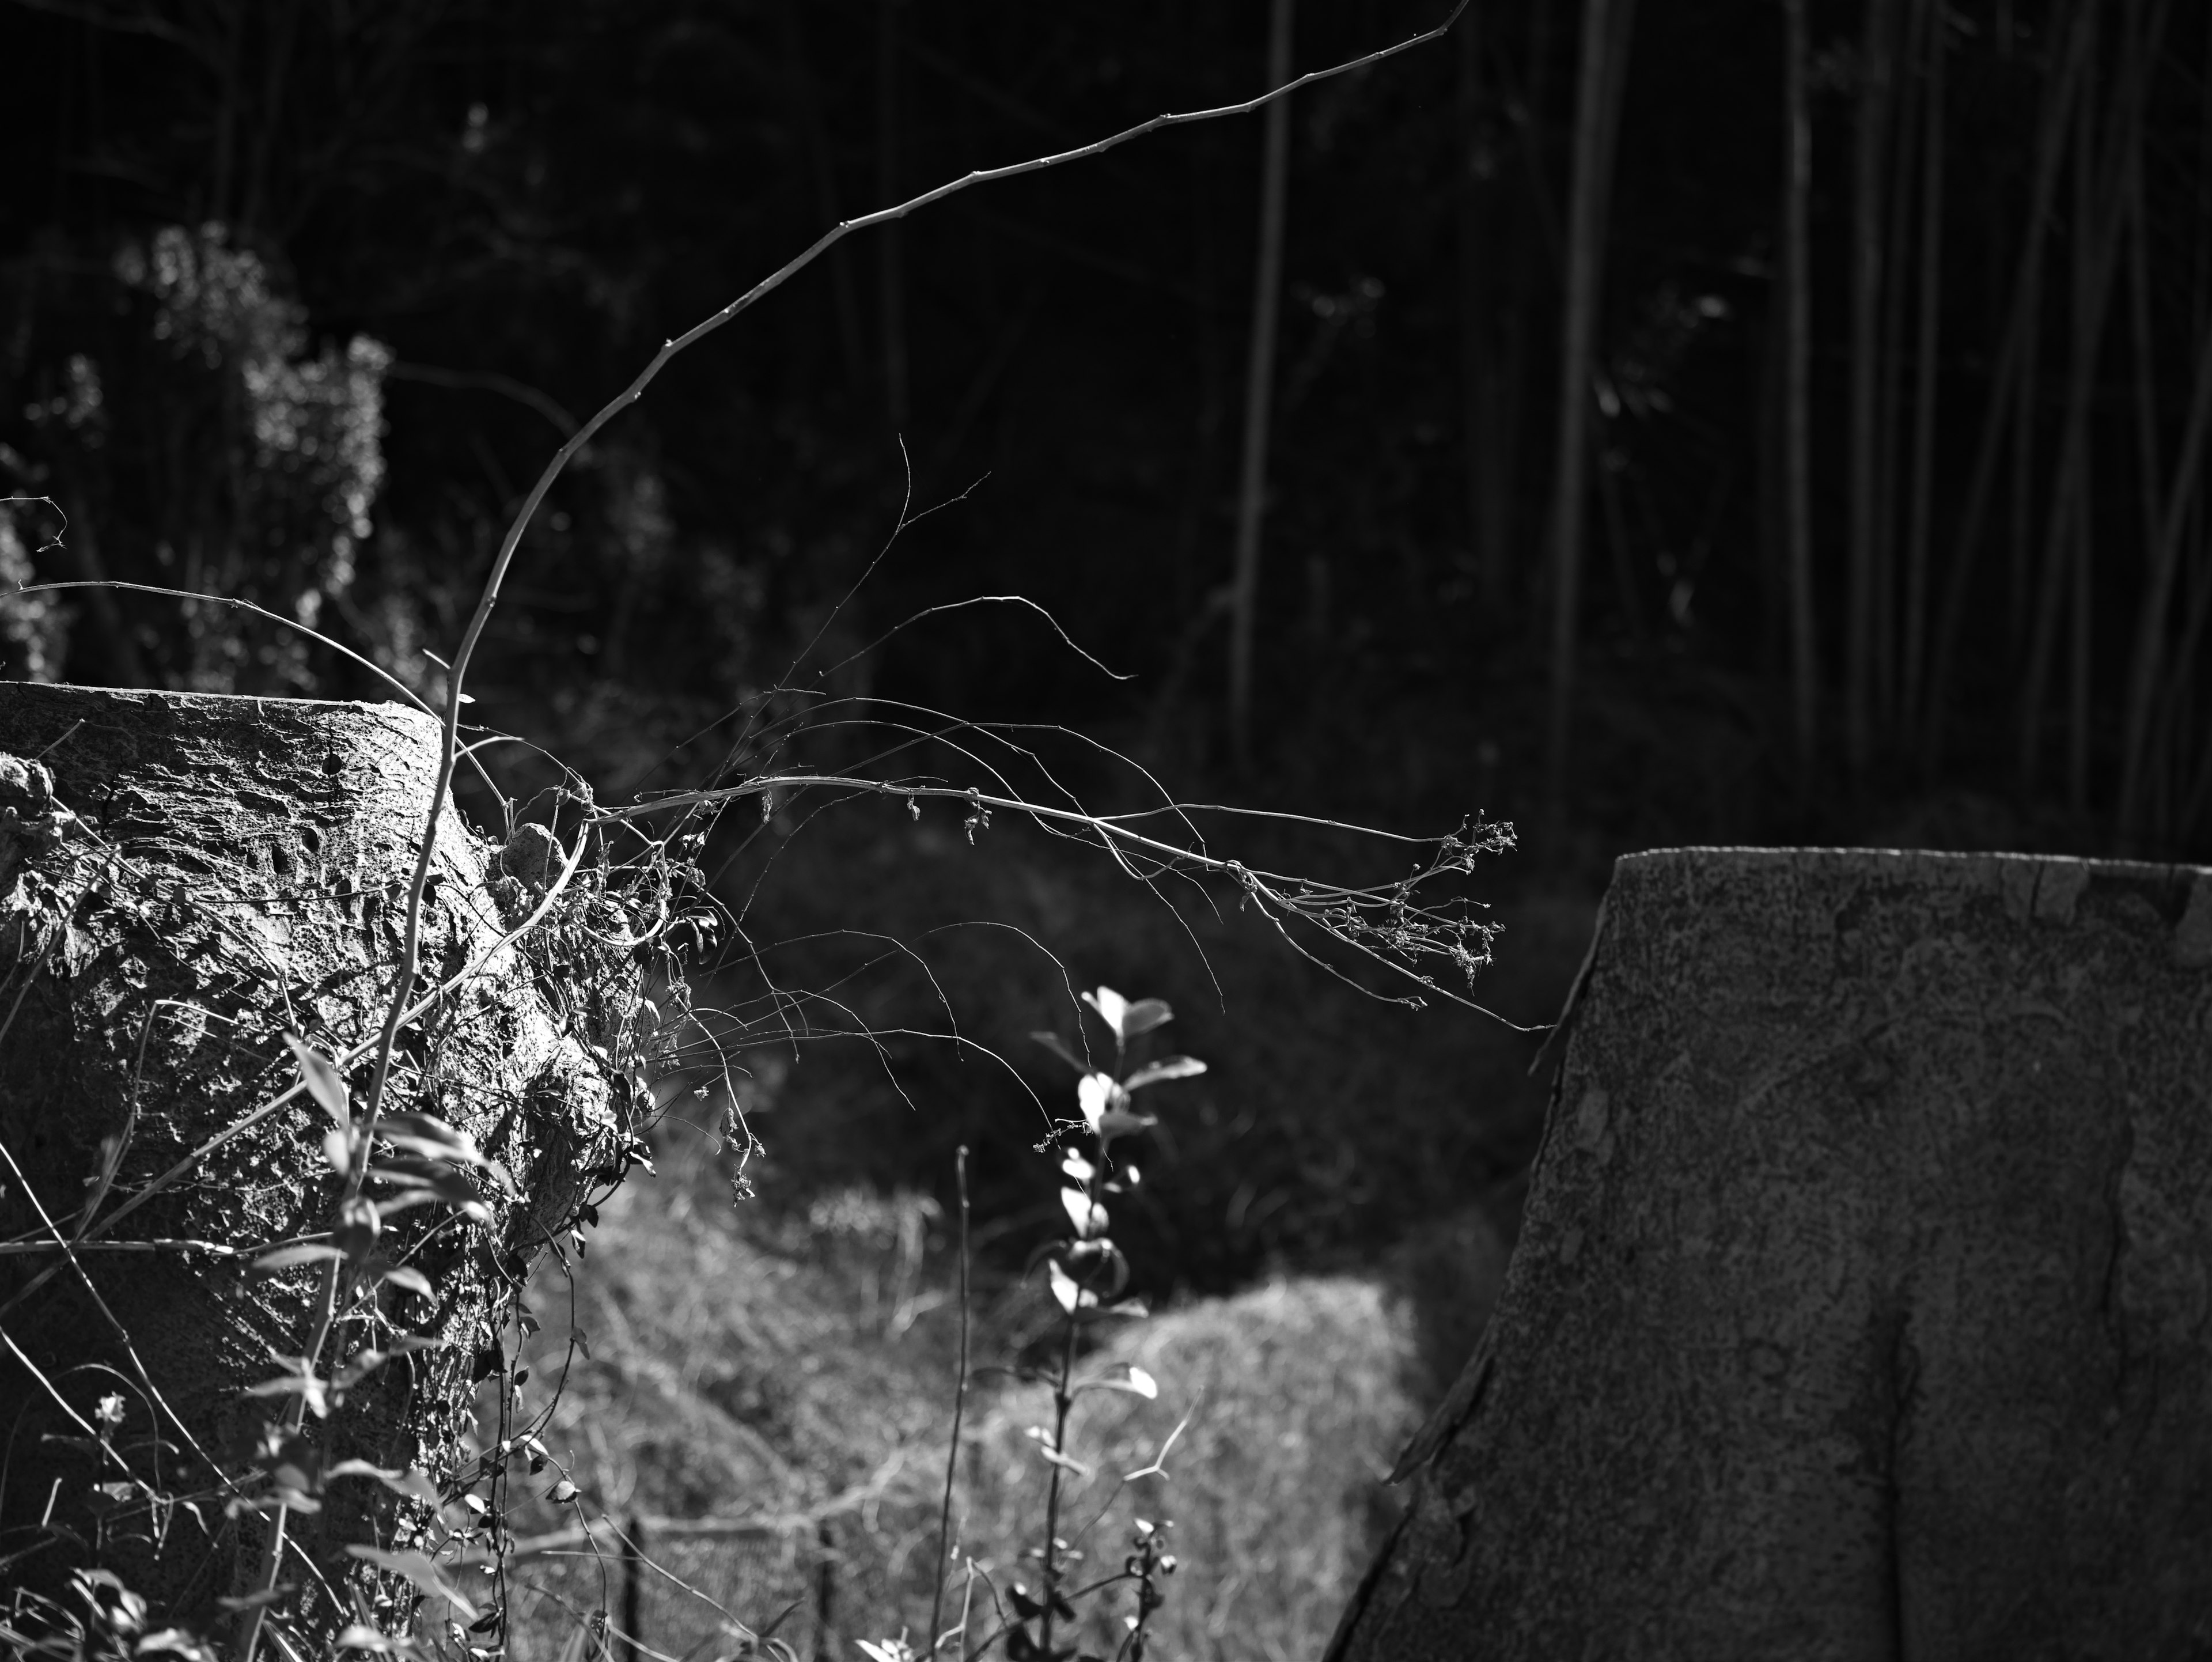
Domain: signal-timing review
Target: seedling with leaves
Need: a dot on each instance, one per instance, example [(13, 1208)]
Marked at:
[(1088, 1273), (1089, 1277)]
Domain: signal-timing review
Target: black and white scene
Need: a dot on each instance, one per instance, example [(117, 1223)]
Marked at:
[(1222, 831)]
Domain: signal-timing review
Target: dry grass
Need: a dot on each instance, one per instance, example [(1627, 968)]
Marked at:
[(741, 1365)]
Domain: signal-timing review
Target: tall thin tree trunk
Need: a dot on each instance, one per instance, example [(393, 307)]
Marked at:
[(2020, 487), (2100, 166), (2081, 647), (1481, 392), (1929, 346), (1797, 395), (2143, 338), (223, 173), (2063, 89), (1607, 25), (2146, 665), (1617, 544), (2191, 789), (2068, 525), (1869, 142), (275, 75), (1258, 384), (1892, 457), (1773, 538), (890, 269)]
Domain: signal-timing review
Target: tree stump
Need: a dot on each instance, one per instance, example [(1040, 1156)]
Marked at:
[(1860, 1309), (198, 878)]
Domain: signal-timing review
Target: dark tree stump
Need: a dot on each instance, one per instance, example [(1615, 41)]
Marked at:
[(236, 869), (1860, 1310)]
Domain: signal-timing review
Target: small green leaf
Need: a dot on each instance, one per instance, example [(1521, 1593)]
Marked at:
[(415, 1483), (175, 1643), (432, 1138), (1166, 1068), (322, 1079), (1145, 1015), (1095, 1093), (358, 1469), (1066, 1293), (1117, 1123), (1059, 1047), (248, 1601), (291, 1257), (422, 1181), (308, 1387), (1113, 1009), (361, 1637), (1085, 1214), (400, 1274)]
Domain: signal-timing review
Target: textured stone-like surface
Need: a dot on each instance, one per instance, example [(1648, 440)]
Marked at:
[(1860, 1310), (236, 869)]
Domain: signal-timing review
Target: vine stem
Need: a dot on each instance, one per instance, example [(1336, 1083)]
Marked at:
[(959, 1403), (1063, 1399)]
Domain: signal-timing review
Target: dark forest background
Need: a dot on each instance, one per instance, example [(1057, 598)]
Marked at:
[(381, 256), (1876, 512)]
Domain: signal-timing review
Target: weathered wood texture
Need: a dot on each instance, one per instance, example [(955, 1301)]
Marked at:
[(236, 869), (1860, 1310)]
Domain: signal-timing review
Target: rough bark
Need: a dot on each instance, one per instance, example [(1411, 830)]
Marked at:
[(1860, 1308), (203, 875)]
